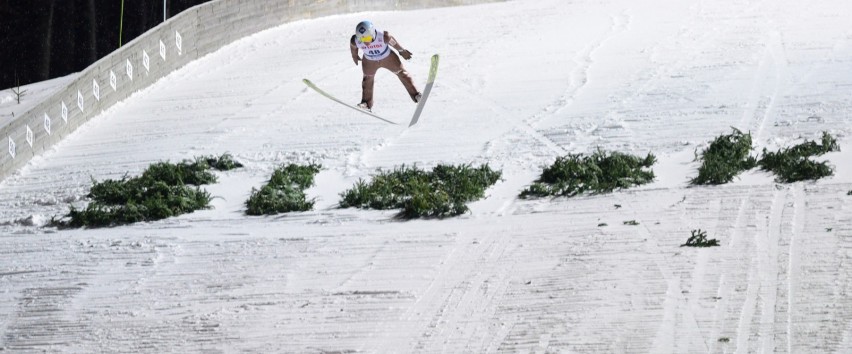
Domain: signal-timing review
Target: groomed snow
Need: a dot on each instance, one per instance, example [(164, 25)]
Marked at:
[(520, 83), (32, 94)]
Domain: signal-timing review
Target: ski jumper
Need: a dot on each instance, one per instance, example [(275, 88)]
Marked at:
[(377, 54)]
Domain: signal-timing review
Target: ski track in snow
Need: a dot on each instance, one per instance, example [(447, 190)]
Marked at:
[(537, 276)]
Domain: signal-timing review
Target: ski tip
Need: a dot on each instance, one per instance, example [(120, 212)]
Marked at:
[(306, 81)]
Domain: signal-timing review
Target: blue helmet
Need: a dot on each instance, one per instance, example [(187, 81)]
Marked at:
[(365, 32)]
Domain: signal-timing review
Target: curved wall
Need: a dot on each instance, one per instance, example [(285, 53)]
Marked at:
[(171, 45)]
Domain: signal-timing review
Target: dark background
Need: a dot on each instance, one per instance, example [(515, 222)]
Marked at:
[(44, 39)]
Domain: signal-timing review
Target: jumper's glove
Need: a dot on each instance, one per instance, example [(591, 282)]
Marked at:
[(405, 54), (356, 59)]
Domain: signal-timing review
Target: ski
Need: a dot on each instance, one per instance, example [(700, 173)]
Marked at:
[(433, 71), (327, 95)]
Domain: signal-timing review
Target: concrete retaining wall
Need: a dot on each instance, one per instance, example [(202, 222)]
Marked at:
[(171, 45)]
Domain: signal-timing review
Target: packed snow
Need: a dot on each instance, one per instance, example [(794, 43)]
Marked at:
[(520, 83), (30, 95)]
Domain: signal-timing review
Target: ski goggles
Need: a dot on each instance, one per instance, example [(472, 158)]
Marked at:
[(366, 38)]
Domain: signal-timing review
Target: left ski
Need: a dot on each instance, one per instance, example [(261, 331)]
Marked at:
[(321, 92)]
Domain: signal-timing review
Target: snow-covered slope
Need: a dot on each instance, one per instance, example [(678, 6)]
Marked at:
[(520, 83), (32, 95)]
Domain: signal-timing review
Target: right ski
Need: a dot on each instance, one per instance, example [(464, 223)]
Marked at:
[(433, 71), (321, 92)]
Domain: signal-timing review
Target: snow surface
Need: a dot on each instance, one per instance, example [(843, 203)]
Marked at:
[(520, 83), (34, 94)]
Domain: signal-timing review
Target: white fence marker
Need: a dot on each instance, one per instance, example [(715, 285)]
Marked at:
[(179, 43), (146, 61), (47, 123), (129, 70), (162, 50), (11, 147), (96, 89), (112, 80), (30, 136), (80, 101), (64, 112)]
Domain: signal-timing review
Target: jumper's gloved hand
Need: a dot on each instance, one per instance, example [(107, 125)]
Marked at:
[(405, 54), (356, 59)]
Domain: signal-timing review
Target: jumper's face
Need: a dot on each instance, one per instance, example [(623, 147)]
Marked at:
[(365, 32)]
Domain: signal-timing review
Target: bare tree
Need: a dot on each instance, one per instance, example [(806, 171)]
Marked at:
[(48, 43), (17, 89), (92, 20)]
